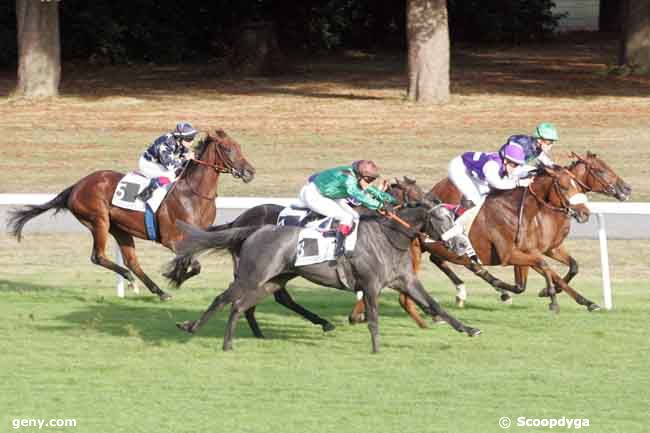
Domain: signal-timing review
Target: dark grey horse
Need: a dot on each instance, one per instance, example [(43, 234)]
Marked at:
[(267, 256)]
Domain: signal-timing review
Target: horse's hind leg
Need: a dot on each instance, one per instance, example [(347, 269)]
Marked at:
[(98, 256), (127, 247), (226, 297), (283, 298), (241, 304)]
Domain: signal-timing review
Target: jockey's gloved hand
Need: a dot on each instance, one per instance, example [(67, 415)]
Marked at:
[(387, 207), (525, 182)]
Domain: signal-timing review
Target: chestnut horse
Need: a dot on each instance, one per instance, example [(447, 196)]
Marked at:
[(592, 175), (192, 199), (515, 227)]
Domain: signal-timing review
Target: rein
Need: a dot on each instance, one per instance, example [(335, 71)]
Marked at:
[(590, 171)]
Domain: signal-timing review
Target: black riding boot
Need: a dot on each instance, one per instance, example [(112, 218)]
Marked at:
[(340, 245), (147, 192)]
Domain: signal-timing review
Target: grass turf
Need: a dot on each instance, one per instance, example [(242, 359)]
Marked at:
[(71, 349)]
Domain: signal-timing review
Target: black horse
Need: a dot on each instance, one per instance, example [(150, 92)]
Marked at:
[(267, 256)]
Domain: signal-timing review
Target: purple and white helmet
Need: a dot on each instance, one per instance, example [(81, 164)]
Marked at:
[(514, 152)]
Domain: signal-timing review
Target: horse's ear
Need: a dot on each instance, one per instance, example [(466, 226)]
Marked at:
[(220, 133), (408, 180), (573, 155), (591, 155), (396, 182)]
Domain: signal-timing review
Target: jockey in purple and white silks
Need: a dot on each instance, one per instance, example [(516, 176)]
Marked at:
[(165, 156), (475, 174)]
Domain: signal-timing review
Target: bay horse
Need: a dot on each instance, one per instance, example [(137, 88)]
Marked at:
[(406, 192), (267, 255), (592, 175), (515, 227), (191, 199)]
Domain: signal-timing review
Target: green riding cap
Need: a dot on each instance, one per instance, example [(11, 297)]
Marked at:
[(546, 131)]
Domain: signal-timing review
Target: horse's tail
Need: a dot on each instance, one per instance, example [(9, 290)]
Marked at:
[(220, 227), (18, 218), (197, 241)]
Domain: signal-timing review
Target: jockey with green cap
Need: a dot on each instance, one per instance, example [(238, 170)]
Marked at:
[(328, 192), (537, 147)]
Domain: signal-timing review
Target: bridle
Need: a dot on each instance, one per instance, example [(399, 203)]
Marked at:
[(226, 166), (566, 203), (591, 171)]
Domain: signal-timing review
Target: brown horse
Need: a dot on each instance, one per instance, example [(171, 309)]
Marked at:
[(515, 227), (192, 199), (592, 175)]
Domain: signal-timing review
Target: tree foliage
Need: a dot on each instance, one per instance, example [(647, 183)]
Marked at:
[(169, 31)]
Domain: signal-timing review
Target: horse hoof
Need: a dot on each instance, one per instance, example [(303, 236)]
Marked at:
[(165, 296), (593, 307), (555, 308), (355, 320), (327, 327), (460, 303), (437, 320), (543, 293), (473, 332), (186, 326), (505, 298), (133, 286)]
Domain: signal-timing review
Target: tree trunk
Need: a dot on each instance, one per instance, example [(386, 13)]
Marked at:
[(428, 51), (635, 49), (609, 16), (39, 48)]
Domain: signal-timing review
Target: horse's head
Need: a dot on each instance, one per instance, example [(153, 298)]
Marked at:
[(224, 153), (597, 176), (407, 191), (440, 226), (566, 193)]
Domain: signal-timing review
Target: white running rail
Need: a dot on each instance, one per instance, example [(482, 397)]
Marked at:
[(600, 209)]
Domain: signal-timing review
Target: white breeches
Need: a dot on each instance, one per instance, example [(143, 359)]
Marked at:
[(472, 188), (311, 197), (153, 170)]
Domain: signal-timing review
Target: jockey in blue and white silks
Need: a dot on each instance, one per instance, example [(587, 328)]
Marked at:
[(165, 156), (476, 173)]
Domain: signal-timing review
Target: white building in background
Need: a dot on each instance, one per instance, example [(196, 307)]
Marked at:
[(583, 14)]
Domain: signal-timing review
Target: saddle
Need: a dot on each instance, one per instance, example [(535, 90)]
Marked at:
[(298, 216)]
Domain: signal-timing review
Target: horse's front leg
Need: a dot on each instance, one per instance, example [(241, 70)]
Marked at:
[(562, 255), (371, 302), (414, 290), (537, 262)]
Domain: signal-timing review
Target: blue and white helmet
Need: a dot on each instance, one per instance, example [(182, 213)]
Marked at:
[(185, 131)]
